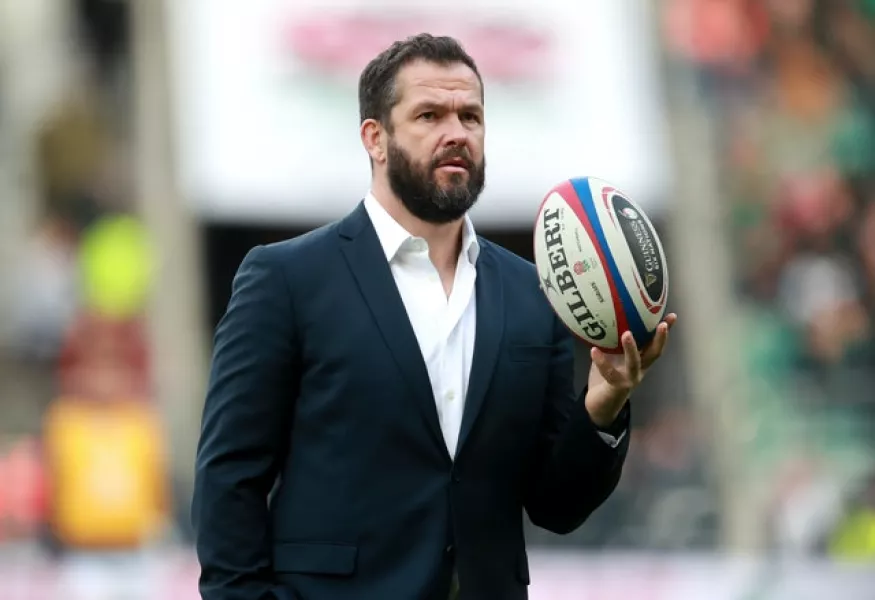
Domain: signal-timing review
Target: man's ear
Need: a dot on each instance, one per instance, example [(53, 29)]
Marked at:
[(374, 139)]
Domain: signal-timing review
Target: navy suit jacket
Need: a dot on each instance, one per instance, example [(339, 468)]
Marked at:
[(321, 469)]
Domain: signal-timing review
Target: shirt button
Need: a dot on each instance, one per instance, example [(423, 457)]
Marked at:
[(451, 395)]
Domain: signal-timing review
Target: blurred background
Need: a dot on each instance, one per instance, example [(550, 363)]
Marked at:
[(145, 146)]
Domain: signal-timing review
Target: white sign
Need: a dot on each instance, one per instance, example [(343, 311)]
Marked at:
[(267, 109)]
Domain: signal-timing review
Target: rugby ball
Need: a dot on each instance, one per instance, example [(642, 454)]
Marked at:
[(600, 262)]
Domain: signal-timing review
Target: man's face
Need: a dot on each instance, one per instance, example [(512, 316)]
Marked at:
[(434, 150)]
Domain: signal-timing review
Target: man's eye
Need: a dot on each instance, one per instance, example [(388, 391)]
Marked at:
[(472, 117), (427, 116)]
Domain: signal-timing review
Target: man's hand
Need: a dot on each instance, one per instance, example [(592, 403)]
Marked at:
[(613, 377)]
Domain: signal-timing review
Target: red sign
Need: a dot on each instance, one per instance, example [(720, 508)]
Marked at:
[(345, 44)]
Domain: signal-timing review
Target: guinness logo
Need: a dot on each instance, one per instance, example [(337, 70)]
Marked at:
[(643, 245), (629, 213)]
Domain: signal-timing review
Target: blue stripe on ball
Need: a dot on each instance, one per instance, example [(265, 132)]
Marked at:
[(636, 325)]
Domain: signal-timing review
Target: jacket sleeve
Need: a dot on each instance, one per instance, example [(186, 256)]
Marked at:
[(245, 432), (575, 469)]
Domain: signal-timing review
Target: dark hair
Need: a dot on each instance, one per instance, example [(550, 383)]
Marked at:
[(377, 91)]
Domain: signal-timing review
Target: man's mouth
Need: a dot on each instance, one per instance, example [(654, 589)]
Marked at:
[(455, 165)]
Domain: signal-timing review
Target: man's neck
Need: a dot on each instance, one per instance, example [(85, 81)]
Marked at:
[(444, 241)]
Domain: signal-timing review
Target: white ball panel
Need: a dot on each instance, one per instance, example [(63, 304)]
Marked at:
[(572, 275)]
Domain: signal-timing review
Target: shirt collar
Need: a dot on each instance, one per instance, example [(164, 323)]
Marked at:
[(392, 235)]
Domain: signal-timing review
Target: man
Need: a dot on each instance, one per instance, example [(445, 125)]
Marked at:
[(399, 383)]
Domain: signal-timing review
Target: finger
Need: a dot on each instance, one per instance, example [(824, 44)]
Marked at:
[(657, 345), (632, 356), (608, 372)]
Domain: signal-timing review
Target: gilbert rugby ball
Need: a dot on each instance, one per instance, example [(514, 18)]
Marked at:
[(601, 263)]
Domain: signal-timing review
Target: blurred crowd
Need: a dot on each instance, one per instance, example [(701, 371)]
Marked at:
[(791, 88), (82, 453)]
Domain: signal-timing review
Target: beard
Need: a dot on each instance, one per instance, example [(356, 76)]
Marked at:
[(423, 196)]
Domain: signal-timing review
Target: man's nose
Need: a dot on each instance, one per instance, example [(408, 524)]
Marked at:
[(456, 134)]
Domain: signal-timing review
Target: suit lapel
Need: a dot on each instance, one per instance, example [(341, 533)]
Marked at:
[(369, 267), (487, 340)]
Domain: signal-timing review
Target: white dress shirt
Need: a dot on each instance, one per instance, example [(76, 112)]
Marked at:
[(444, 325)]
